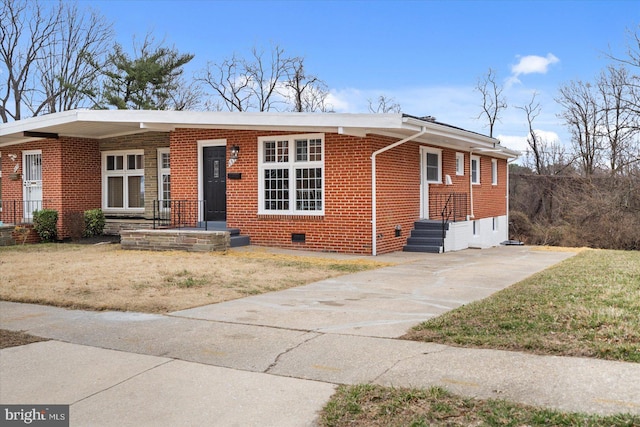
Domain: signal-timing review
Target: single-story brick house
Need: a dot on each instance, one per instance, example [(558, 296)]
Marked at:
[(352, 183)]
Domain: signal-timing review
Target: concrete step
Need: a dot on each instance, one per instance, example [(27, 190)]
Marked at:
[(237, 241), (428, 224), (427, 232), (424, 241), (423, 248)]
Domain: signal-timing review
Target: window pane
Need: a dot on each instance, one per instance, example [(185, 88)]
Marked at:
[(301, 150), (474, 171), (315, 150), (276, 189), (166, 161), (269, 151), (432, 167), (283, 151), (115, 193), (136, 191), (166, 187), (135, 161), (309, 189)]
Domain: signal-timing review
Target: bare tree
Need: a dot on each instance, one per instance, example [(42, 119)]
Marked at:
[(257, 83), (48, 50), (545, 157), (27, 29), (68, 75), (267, 74), (229, 83), (384, 104), (582, 115), (532, 111), (493, 101), (307, 92), (619, 127)]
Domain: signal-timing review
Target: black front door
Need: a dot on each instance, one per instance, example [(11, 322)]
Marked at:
[(214, 171)]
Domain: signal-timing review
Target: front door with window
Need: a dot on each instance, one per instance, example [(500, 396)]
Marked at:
[(32, 182), (431, 166), (214, 173)]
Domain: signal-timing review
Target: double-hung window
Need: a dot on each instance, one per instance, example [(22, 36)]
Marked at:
[(164, 176), (433, 165), (291, 170), (494, 171), (123, 181), (459, 163), (475, 170)]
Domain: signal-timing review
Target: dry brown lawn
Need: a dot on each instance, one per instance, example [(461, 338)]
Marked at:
[(105, 277)]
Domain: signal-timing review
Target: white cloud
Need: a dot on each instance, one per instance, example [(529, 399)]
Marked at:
[(534, 64), (514, 142)]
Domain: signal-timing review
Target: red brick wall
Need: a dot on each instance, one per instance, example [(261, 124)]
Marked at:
[(490, 200), (397, 192), (346, 224), (70, 177)]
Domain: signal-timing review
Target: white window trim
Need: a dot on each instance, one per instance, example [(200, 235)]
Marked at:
[(291, 165), (471, 160), (460, 164), (162, 171), (438, 152), (494, 172), (124, 173)]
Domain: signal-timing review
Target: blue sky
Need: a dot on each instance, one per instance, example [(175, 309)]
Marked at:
[(427, 55)]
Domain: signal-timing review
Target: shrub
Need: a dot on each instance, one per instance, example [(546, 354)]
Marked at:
[(520, 225), (94, 222), (45, 222)]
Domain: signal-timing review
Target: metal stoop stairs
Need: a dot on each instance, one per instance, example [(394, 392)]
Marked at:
[(426, 236)]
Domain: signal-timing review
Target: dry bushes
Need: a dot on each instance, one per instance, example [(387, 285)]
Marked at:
[(599, 212)]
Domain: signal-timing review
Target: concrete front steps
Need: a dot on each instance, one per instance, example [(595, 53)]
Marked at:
[(237, 239), (426, 236)]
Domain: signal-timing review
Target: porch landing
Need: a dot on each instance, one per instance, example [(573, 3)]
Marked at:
[(215, 238)]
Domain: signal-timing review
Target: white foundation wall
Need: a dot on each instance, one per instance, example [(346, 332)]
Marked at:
[(487, 232)]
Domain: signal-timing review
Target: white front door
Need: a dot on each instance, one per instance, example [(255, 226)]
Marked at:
[(32, 182), (424, 185)]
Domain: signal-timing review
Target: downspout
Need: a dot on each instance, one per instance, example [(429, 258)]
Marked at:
[(374, 215), (471, 215)]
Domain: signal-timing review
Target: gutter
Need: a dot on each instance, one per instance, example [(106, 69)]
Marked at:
[(374, 214)]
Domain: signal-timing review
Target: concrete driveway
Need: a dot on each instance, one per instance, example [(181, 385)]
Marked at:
[(275, 359)]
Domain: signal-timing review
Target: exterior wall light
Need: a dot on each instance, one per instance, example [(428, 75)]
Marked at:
[(234, 150)]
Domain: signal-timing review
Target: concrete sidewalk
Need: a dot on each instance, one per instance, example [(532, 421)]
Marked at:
[(274, 359)]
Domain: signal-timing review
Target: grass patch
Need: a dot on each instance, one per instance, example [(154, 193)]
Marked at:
[(16, 338), (373, 405), (587, 305), (105, 277)]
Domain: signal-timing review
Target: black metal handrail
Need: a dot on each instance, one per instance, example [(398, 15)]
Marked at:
[(178, 213), (21, 211)]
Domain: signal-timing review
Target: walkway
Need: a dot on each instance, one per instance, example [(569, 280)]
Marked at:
[(275, 359)]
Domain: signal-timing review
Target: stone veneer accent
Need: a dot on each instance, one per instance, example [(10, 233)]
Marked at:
[(6, 235), (175, 240)]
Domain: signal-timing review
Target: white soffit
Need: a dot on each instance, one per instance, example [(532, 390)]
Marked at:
[(100, 124)]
